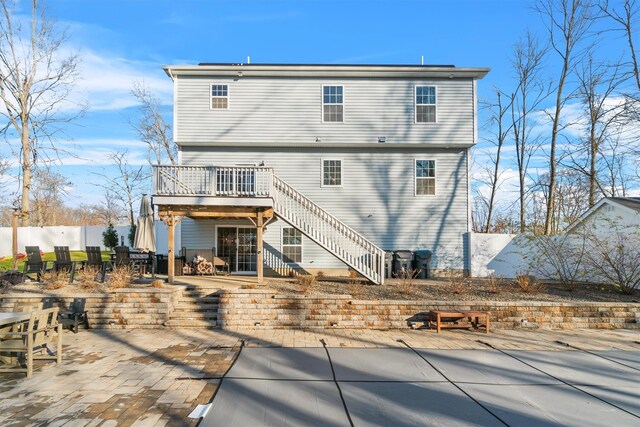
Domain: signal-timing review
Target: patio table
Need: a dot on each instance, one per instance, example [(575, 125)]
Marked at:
[(7, 318)]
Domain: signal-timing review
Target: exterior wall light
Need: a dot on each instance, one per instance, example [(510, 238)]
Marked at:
[(382, 139)]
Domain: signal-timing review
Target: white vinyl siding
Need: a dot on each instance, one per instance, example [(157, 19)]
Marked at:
[(379, 200), (426, 104), (291, 245), (425, 175), (219, 97), (289, 111), (331, 173)]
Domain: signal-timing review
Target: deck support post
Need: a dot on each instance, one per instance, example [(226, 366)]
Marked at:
[(171, 220), (259, 258)]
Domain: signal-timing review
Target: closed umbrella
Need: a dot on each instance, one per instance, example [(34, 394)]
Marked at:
[(145, 239)]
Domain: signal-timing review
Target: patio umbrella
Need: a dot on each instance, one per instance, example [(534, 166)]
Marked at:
[(145, 239)]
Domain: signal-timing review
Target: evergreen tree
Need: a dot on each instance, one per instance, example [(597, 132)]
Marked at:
[(110, 237), (132, 234)]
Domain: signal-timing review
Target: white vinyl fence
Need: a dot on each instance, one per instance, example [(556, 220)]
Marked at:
[(76, 237), (507, 255)]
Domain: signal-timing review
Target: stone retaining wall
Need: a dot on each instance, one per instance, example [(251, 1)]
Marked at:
[(119, 308), (266, 309)]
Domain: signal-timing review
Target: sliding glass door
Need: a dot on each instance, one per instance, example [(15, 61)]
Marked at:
[(240, 246)]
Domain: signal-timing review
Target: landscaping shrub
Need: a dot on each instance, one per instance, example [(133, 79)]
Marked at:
[(528, 283), (121, 277), (305, 281), (495, 284), (55, 279), (87, 277), (560, 257), (406, 280), (615, 258), (320, 274), (157, 284), (457, 282)]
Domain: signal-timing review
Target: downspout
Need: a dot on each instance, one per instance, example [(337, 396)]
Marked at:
[(468, 158)]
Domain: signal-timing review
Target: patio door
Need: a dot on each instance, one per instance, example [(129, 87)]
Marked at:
[(240, 246)]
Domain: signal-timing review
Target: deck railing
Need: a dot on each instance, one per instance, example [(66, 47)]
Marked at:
[(223, 181)]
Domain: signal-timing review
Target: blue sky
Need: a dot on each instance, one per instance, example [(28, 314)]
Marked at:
[(126, 40)]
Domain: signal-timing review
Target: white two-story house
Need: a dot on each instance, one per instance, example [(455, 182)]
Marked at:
[(321, 167)]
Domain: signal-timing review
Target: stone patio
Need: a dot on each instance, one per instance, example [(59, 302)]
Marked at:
[(156, 377)]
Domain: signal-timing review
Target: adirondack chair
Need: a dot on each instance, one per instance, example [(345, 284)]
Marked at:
[(75, 316), (63, 261), (34, 264), (122, 256), (94, 259), (34, 340)]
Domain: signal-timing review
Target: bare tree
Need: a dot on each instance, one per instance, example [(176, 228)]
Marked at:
[(598, 83), (492, 171), (625, 16), (127, 186), (108, 211), (36, 77), (151, 127), (568, 23), (530, 92), (49, 188)]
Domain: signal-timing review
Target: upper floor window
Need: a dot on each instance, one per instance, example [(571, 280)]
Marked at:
[(219, 96), (291, 245), (332, 104), (425, 104), (331, 173), (425, 177)]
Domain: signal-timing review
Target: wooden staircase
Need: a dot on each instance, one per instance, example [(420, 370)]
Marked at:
[(326, 230)]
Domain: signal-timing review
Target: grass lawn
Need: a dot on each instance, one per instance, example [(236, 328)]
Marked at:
[(7, 263)]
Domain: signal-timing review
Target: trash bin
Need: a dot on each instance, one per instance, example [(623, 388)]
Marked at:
[(421, 260), (388, 264), (402, 261)]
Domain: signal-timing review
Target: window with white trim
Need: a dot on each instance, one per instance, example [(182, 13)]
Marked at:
[(425, 104), (291, 245), (331, 173), (425, 177), (332, 104), (219, 96)]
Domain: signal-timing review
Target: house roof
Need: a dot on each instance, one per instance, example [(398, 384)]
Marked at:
[(632, 203), (326, 70)]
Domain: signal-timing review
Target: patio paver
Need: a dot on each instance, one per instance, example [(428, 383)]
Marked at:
[(156, 377)]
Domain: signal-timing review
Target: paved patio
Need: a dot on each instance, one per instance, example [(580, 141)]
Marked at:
[(156, 377)]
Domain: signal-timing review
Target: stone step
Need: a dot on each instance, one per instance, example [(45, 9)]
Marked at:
[(190, 323), (199, 316), (196, 307), (204, 299)]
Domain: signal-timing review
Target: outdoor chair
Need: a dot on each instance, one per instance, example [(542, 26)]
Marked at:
[(94, 260), (221, 265), (34, 340), (75, 316), (63, 261), (122, 257), (34, 264)]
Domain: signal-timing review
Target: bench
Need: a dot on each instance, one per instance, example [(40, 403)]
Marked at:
[(459, 319)]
